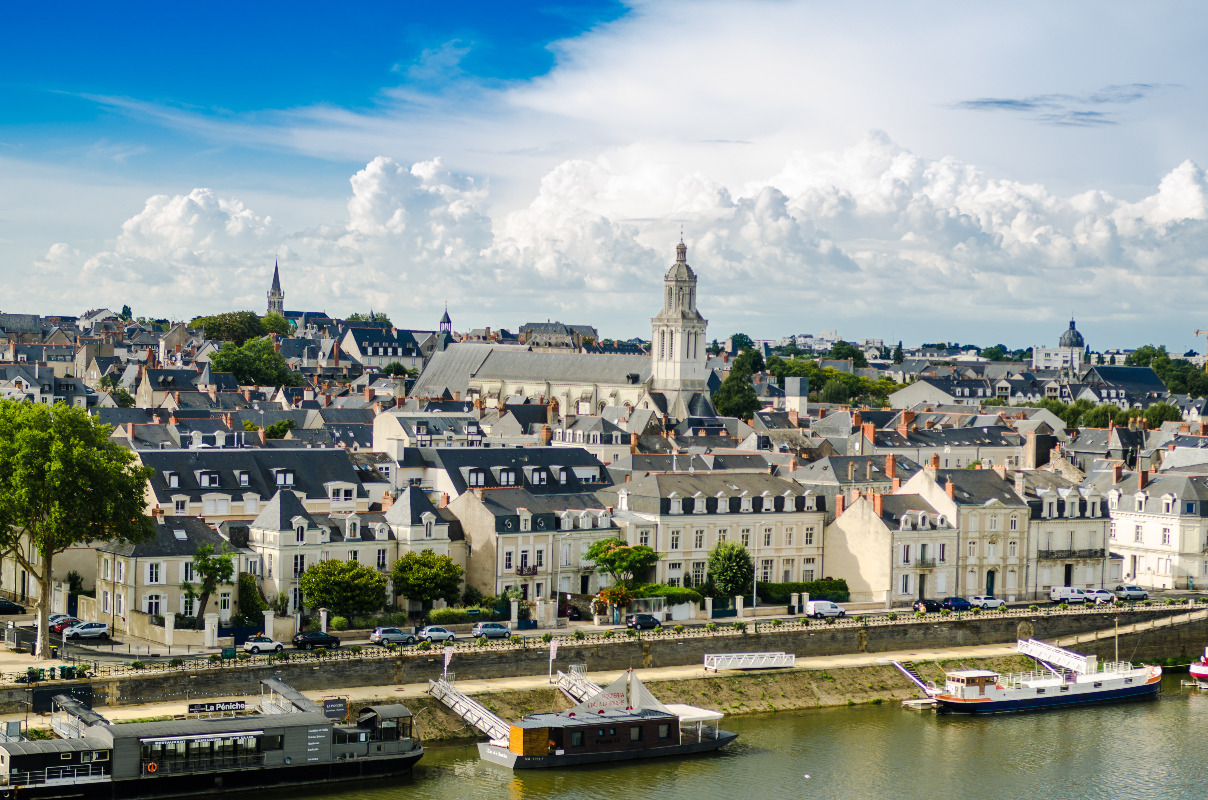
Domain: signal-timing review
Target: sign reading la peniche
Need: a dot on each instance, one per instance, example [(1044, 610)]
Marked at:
[(605, 701), (217, 705)]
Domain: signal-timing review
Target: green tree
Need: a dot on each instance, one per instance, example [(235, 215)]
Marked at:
[(834, 391), (397, 370), (275, 323), (996, 353), (731, 568), (63, 483), (898, 355), (233, 326), (749, 361), (252, 604), (714, 349), (626, 563), (377, 316), (126, 313), (212, 570), (736, 396), (255, 362), (1098, 417), (278, 429), (845, 350), (1158, 413), (248, 425), (122, 398), (347, 588), (741, 342), (425, 576)]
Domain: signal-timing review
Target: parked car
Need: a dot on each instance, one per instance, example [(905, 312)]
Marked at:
[(262, 644), (927, 605), (63, 623), (9, 607), (386, 636), (435, 633), (956, 604), (53, 618), (1067, 594), (987, 601), (1098, 596), (309, 640), (87, 630), (641, 622), (824, 608), (491, 630), (1131, 593)]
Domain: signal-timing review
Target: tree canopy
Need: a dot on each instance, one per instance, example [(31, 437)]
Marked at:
[(731, 569), (1179, 374), (346, 588), (848, 388), (232, 326), (279, 429), (425, 576), (741, 342), (626, 563), (212, 570), (63, 483), (845, 350), (275, 323), (373, 316), (256, 362)]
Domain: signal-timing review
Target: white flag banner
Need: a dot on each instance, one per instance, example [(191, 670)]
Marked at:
[(553, 649), (448, 655)]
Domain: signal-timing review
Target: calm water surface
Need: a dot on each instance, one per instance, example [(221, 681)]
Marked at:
[(1149, 750)]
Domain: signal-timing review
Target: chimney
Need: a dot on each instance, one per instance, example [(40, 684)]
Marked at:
[(868, 470), (377, 408), (1142, 479), (904, 422), (157, 512), (387, 500), (547, 435), (839, 502), (263, 436), (891, 466), (633, 442), (950, 488), (130, 430), (1001, 469), (400, 400), (335, 354), (1144, 423), (457, 396), (368, 393), (793, 464), (795, 419), (870, 432), (1117, 473), (1203, 428), (851, 471), (1019, 482), (247, 395), (878, 503), (276, 343), (929, 424), (935, 461), (856, 420), (897, 484)]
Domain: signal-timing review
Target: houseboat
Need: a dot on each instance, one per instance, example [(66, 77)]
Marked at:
[(289, 741), (1199, 670), (620, 722), (1066, 678)]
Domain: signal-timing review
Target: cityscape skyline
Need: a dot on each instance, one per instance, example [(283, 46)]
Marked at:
[(919, 182)]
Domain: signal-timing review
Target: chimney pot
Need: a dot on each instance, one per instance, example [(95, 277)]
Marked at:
[(839, 502), (891, 466), (1117, 473), (878, 503), (1142, 479)]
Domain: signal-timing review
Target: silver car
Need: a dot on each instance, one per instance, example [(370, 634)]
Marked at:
[(435, 633), (491, 630), (386, 636), (87, 630)]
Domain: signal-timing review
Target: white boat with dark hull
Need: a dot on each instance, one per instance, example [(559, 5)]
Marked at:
[(1067, 678)]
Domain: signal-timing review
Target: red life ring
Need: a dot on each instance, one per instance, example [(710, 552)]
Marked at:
[(152, 767)]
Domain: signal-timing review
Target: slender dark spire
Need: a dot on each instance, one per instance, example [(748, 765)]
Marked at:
[(276, 288)]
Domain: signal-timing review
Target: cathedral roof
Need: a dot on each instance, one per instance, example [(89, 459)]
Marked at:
[(680, 269), (1071, 338)]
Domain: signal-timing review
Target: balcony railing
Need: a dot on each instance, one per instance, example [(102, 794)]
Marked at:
[(524, 569), (1057, 555), (924, 563)]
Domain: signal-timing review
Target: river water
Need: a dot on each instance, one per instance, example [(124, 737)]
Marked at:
[(1147, 750)]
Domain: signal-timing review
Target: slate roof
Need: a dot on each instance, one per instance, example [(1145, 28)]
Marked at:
[(976, 487), (589, 368), (450, 369), (458, 461), (312, 468), (409, 507), (280, 511), (164, 542), (833, 470), (652, 493)]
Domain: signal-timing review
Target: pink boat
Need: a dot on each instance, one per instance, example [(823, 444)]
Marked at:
[(1199, 669)]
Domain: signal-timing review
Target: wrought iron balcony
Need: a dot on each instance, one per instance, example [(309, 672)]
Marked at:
[(924, 563), (524, 569), (1059, 555)]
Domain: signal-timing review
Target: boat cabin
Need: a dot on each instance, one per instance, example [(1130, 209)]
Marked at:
[(610, 731), (970, 682)]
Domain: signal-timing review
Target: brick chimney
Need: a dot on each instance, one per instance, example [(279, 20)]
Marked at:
[(547, 435), (457, 396), (795, 418), (857, 420), (891, 466), (129, 430), (870, 432), (897, 484), (1142, 479), (929, 424), (387, 501), (851, 470), (904, 422), (950, 488), (878, 503), (247, 395), (335, 354), (1117, 473), (263, 436), (839, 503), (868, 470), (368, 393), (935, 461)]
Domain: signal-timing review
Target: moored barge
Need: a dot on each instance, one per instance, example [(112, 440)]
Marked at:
[(289, 742)]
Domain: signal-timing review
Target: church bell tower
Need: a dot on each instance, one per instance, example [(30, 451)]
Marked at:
[(678, 344), (276, 297)]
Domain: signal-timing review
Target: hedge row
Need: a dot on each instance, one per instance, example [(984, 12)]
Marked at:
[(674, 594), (782, 593)]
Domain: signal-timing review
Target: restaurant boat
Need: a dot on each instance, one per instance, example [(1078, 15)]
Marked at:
[(1067, 678), (620, 722), (1199, 669), (289, 741)]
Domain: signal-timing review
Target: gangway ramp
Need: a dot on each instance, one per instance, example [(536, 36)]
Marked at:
[(776, 660), (1051, 654), (470, 710), (909, 671), (575, 685)]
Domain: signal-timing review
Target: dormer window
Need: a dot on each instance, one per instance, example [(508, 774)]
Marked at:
[(476, 477), (352, 531), (173, 480), (1167, 505), (746, 504), (677, 504), (244, 478), (507, 477), (300, 532), (540, 477), (698, 503), (207, 479), (1140, 502), (563, 475), (428, 529), (284, 477)]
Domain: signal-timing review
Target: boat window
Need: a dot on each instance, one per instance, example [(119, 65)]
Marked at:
[(1040, 691), (664, 731), (635, 733), (1098, 684), (271, 742), (576, 738), (1065, 688), (1128, 680)]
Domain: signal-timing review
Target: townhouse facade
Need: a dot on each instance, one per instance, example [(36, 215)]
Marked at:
[(1159, 525)]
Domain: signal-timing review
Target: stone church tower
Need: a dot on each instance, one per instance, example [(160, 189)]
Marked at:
[(678, 344), (276, 297)]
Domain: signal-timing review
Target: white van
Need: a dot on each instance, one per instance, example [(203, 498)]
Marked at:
[(823, 608), (1067, 594)]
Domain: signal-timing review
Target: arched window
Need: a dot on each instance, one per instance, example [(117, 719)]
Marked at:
[(662, 344)]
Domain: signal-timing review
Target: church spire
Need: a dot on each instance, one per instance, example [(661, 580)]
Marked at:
[(276, 297)]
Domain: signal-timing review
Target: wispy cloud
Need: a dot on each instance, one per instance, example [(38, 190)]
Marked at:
[(1076, 110)]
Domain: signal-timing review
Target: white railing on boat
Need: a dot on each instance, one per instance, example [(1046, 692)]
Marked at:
[(82, 773), (776, 660)]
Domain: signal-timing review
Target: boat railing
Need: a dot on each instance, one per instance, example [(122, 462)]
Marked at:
[(207, 764), (79, 773)]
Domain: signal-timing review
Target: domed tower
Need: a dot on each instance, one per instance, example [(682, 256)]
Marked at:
[(1072, 338), (276, 297), (678, 345)]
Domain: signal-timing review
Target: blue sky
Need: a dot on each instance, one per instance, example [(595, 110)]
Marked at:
[(907, 171)]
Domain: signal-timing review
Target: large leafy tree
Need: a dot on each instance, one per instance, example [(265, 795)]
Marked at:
[(626, 563), (212, 570), (275, 323), (233, 326), (736, 396), (63, 483), (373, 316), (426, 576), (255, 362), (345, 587), (845, 350), (741, 342), (731, 568)]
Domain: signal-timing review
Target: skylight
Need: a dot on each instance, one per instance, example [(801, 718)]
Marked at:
[(180, 534)]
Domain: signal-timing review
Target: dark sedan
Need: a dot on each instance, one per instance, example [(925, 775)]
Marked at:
[(956, 604), (9, 607), (927, 605), (309, 640), (641, 621)]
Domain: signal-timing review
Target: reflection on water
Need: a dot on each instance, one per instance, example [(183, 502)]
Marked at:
[(1135, 750)]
